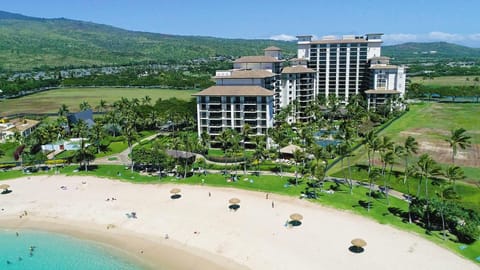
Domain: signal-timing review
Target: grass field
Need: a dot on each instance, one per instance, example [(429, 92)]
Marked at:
[(50, 101), (447, 80), (430, 124)]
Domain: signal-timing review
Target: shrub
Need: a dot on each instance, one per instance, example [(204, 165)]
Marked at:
[(467, 233)]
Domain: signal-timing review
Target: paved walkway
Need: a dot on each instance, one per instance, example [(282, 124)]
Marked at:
[(121, 158)]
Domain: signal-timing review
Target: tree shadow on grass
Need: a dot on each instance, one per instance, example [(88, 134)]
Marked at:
[(292, 181), (355, 249), (89, 168), (365, 204), (398, 212), (175, 196)]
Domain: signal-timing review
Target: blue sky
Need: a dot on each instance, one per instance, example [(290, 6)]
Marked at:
[(401, 21)]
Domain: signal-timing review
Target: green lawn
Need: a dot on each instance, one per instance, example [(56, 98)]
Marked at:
[(50, 101), (470, 194), (113, 148), (447, 80), (341, 199), (8, 149), (433, 120)]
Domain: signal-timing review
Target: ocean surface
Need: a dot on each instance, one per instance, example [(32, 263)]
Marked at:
[(36, 250)]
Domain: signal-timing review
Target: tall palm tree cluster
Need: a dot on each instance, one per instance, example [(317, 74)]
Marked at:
[(431, 209)]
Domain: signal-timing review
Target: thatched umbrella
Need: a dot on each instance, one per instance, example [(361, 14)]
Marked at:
[(4, 186), (234, 201), (175, 191), (296, 217), (358, 242)]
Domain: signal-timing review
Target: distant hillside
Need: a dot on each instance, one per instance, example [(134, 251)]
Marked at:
[(28, 42), (430, 51)]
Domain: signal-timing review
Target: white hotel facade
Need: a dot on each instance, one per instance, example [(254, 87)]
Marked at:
[(259, 86)]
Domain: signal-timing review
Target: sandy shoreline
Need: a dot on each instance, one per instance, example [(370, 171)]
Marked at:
[(204, 234)]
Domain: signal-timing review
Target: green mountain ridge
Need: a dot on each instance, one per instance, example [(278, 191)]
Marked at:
[(430, 51), (36, 43)]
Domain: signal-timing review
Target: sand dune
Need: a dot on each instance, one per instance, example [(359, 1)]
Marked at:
[(204, 234)]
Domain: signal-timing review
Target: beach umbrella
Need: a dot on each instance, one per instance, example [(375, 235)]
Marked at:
[(4, 186), (296, 217), (358, 242), (234, 201), (175, 190)]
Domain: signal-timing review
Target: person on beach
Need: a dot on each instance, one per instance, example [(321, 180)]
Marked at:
[(266, 196), (273, 204), (209, 194)]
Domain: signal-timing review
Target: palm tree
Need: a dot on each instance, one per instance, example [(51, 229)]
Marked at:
[(97, 133), (246, 130), (258, 154), (343, 151), (146, 100), (224, 140), (102, 106), (454, 173), (371, 144), (175, 144), (298, 156), (85, 106), (130, 136), (427, 168), (409, 147), (458, 138), (63, 110), (388, 158), (205, 141), (81, 130), (373, 176), (278, 136)]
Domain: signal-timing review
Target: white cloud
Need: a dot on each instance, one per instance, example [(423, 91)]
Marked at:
[(399, 38), (472, 39), (475, 37), (442, 36), (283, 37)]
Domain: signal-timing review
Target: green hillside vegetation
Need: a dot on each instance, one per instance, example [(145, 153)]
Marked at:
[(40, 43), (412, 52), (50, 101)]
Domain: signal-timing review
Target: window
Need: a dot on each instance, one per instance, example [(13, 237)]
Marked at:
[(381, 81)]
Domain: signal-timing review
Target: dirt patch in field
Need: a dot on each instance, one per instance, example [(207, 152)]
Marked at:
[(424, 131), (442, 153)]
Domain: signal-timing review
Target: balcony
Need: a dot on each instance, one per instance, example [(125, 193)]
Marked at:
[(215, 116)]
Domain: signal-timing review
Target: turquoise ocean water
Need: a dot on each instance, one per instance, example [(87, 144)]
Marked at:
[(55, 251)]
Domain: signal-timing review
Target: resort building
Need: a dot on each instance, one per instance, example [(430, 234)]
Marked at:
[(343, 66), (231, 107), (387, 83), (297, 88), (258, 87)]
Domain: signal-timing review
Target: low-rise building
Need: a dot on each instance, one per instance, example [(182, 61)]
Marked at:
[(24, 127)]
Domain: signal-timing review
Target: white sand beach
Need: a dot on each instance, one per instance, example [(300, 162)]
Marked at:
[(204, 234)]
